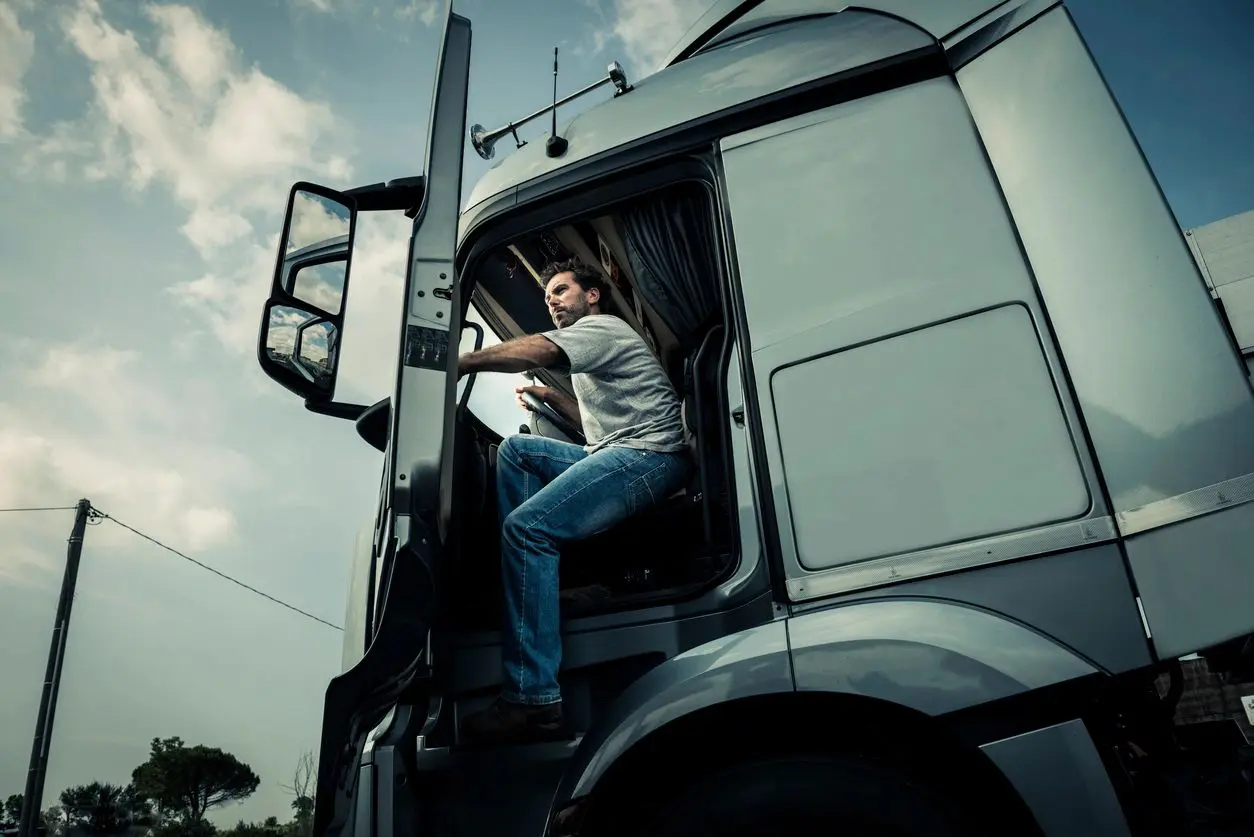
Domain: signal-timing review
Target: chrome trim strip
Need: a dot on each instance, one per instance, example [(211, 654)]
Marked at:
[(928, 562), (1200, 501), (1140, 606)]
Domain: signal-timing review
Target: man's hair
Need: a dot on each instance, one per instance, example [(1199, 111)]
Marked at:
[(586, 277)]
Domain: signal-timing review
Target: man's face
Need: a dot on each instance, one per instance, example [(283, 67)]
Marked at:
[(568, 303)]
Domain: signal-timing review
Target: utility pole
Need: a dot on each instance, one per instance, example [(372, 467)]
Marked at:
[(33, 798)]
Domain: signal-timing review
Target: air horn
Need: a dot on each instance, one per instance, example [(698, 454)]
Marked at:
[(485, 141)]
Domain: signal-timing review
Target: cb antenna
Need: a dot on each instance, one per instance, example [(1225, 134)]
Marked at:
[(556, 146)]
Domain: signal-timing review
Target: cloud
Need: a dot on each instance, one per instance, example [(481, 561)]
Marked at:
[(89, 425), (425, 11), (646, 29), (189, 444), (17, 48), (182, 111), (229, 297), (27, 553), (211, 229)]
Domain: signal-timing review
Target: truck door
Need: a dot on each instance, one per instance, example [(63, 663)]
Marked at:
[(420, 420)]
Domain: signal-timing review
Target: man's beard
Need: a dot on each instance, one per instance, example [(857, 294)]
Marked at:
[(570, 316)]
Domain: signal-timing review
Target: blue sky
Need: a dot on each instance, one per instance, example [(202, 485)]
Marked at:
[(1184, 75), (146, 150)]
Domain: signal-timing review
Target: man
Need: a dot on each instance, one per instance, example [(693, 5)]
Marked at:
[(551, 492)]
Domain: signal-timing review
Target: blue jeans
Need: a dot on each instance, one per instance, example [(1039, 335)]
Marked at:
[(551, 492)]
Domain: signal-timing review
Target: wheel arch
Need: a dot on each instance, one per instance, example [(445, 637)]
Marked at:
[(658, 767), (889, 678)]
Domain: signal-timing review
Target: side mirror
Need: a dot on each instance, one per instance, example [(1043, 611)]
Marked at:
[(304, 316)]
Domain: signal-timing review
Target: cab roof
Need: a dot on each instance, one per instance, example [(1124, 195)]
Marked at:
[(737, 53), (727, 18)]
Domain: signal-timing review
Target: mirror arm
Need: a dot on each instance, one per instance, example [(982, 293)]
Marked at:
[(403, 193), (336, 409)]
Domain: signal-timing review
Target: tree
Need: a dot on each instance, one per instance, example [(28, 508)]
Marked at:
[(267, 828), (302, 822), (54, 821), (11, 811), (138, 809), (204, 828), (303, 786), (98, 808), (191, 780)]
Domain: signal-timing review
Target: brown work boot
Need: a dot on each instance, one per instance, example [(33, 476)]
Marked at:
[(504, 722)]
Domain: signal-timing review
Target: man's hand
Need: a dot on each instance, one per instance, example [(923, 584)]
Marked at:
[(564, 405), (538, 390)]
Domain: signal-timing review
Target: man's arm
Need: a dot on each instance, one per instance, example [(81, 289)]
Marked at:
[(531, 351)]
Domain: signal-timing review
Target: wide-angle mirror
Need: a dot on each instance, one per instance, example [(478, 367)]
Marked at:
[(316, 251), (303, 347)]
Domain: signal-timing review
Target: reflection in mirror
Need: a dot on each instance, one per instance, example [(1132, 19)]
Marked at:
[(315, 219), (321, 285), (315, 355), (316, 251), (303, 343)]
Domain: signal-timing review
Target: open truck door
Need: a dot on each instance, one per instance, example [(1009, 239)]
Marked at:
[(300, 331)]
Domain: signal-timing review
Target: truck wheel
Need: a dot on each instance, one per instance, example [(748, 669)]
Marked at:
[(811, 795)]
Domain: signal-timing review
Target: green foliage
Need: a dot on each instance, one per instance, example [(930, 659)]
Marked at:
[(269, 828), (98, 808), (183, 783), (202, 828), (302, 822), (191, 780), (54, 821), (11, 811)]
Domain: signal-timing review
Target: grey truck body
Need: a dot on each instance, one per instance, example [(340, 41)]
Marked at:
[(990, 449)]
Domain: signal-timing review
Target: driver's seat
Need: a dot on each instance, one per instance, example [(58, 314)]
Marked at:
[(638, 552)]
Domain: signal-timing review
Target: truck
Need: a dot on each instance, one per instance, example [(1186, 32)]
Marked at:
[(973, 450)]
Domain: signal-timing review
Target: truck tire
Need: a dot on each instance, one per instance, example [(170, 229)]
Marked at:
[(812, 795)]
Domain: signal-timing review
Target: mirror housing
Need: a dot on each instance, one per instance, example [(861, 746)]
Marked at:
[(303, 318)]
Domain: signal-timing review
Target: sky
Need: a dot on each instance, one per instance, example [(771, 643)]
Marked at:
[(146, 151)]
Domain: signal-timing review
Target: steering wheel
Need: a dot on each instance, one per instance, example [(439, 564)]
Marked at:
[(554, 417)]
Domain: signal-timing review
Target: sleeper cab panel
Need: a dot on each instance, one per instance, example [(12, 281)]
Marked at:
[(914, 408), (1164, 396)]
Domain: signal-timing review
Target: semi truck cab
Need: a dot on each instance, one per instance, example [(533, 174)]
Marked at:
[(973, 448)]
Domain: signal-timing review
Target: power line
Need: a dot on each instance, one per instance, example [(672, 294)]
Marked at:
[(215, 572), (40, 508)]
